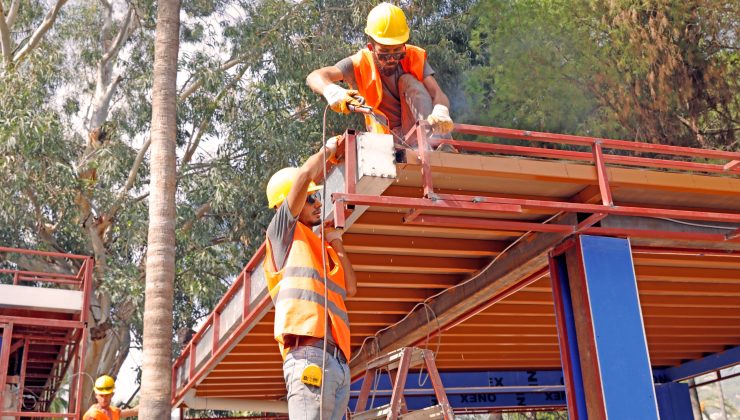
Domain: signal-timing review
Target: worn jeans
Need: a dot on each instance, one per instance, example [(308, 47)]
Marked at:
[(303, 399)]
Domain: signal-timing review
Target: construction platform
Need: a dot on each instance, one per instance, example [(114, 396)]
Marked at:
[(43, 318), (500, 256)]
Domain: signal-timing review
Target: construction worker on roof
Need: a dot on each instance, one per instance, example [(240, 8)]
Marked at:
[(394, 78), (104, 388), (298, 266)]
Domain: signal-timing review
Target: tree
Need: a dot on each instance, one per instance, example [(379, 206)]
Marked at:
[(658, 71), (160, 266), (75, 132)]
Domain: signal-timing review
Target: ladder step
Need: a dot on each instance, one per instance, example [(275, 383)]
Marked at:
[(392, 359), (433, 412), (374, 413)]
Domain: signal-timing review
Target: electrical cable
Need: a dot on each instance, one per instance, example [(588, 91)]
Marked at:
[(681, 222), (323, 268)]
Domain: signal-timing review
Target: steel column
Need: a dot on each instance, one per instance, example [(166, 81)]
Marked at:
[(674, 401), (572, 376), (611, 345)]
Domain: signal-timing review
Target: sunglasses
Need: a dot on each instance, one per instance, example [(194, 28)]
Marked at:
[(398, 56), (312, 198)]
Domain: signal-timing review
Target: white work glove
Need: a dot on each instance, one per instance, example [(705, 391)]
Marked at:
[(338, 98), (331, 234), (440, 120), (331, 146)]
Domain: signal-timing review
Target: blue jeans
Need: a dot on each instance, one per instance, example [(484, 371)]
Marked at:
[(304, 400)]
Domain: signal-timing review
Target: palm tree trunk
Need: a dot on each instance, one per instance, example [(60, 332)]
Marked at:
[(160, 266)]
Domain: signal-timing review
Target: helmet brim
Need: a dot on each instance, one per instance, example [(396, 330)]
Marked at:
[(106, 392), (396, 40)]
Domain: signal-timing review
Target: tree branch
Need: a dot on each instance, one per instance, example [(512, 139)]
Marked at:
[(131, 178), (5, 41), (39, 33), (185, 94), (207, 120), (202, 210), (12, 13), (121, 38)]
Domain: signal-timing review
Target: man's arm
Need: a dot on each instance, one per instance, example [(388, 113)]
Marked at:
[(438, 96), (312, 170), (334, 237), (322, 81), (130, 412), (319, 79)]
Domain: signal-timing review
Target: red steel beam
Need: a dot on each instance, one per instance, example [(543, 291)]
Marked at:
[(532, 151), (425, 203), (42, 253), (601, 176), (492, 224), (588, 141), (581, 208)]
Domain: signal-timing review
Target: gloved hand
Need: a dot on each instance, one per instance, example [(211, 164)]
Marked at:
[(440, 120), (331, 146), (331, 234), (338, 98)]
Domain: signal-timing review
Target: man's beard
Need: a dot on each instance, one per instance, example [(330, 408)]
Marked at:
[(388, 70)]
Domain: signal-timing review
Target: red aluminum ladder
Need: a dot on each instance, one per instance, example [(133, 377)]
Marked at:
[(398, 363)]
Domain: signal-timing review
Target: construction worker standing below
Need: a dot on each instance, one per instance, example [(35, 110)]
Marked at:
[(394, 78), (104, 388), (308, 278)]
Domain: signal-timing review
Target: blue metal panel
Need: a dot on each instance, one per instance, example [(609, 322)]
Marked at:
[(674, 402), (619, 333), (554, 400), (698, 367), (480, 389), (476, 379), (564, 315)]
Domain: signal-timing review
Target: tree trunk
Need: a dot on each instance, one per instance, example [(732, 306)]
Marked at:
[(160, 266)]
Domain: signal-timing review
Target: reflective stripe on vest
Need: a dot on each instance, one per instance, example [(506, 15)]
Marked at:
[(95, 413), (298, 291), (370, 85)]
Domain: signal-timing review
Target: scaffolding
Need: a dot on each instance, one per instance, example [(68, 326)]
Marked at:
[(43, 317)]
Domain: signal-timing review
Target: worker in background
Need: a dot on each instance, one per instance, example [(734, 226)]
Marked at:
[(393, 77), (104, 388), (102, 410), (298, 264)]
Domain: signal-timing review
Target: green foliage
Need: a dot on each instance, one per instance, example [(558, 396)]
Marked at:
[(659, 71)]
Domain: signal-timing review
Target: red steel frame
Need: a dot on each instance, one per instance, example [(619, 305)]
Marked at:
[(73, 345), (433, 201), (220, 346), (598, 157)]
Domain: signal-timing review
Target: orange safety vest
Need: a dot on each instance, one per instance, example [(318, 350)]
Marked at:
[(370, 85), (96, 413), (298, 291)]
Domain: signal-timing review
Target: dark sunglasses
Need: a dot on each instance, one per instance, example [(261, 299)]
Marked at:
[(312, 198), (391, 56)]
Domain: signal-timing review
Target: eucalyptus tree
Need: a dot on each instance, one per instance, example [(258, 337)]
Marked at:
[(75, 132)]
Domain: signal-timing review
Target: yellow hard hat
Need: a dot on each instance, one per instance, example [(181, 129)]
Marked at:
[(104, 385), (386, 24), (280, 184)]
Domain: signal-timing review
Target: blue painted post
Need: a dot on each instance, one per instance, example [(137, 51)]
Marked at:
[(674, 401), (610, 336), (569, 357)]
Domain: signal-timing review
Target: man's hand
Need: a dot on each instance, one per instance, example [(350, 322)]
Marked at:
[(331, 234), (339, 98), (440, 120), (331, 146)]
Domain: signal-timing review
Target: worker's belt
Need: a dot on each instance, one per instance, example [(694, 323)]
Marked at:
[(331, 348)]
